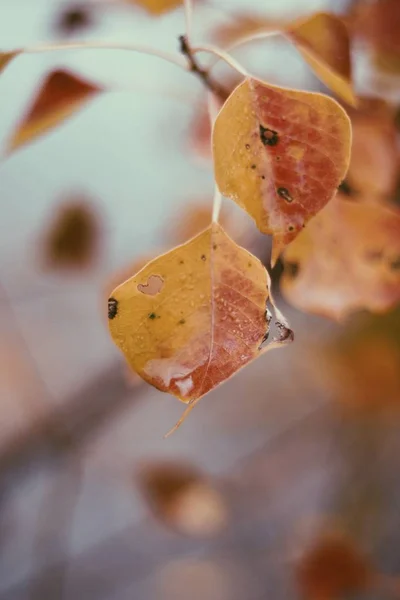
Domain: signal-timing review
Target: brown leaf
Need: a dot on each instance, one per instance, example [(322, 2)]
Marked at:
[(280, 154), (156, 7), (182, 498), (6, 58), (378, 22), (374, 163), (61, 95), (206, 322), (333, 567), (73, 237), (348, 258), (323, 41)]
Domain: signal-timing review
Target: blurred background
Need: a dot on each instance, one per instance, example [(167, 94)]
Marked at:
[(283, 482)]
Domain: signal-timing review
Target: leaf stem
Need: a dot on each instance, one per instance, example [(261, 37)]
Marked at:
[(217, 204), (99, 45), (225, 56), (188, 6)]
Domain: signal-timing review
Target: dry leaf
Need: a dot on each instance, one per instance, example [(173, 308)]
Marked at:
[(323, 41), (61, 95), (73, 237), (348, 258), (157, 7), (378, 22), (374, 160), (333, 567), (6, 57), (183, 498), (280, 154), (192, 317)]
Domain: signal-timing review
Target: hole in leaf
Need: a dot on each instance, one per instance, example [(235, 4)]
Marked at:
[(284, 193), (269, 137), (153, 286)]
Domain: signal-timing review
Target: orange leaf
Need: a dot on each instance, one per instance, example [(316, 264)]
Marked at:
[(157, 7), (6, 57), (323, 41), (61, 95), (348, 258), (374, 160), (333, 567), (280, 154), (192, 317)]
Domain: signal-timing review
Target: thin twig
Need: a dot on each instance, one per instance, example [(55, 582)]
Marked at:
[(221, 54), (201, 73), (188, 6), (99, 45)]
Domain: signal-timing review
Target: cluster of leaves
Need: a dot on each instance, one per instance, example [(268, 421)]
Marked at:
[(191, 318)]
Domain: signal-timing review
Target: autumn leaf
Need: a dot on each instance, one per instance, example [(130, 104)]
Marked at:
[(280, 154), (61, 95), (378, 23), (6, 58), (323, 41), (333, 567), (72, 239), (374, 162), (348, 258), (192, 317), (183, 499), (157, 7)]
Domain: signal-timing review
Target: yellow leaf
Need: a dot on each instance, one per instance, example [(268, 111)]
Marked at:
[(323, 41), (192, 317), (280, 154), (6, 57), (348, 258), (61, 95), (157, 7)]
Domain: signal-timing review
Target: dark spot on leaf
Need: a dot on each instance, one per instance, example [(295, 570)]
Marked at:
[(284, 193), (345, 188), (152, 316), (249, 264), (181, 262), (253, 166), (277, 158), (112, 308), (262, 176), (395, 264), (269, 137), (247, 146), (215, 246), (291, 269), (181, 322), (290, 228), (203, 257)]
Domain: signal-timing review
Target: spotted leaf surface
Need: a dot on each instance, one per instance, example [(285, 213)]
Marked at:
[(280, 154), (61, 95), (323, 41), (347, 259), (192, 317)]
